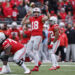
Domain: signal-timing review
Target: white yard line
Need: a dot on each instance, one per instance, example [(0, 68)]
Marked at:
[(48, 65)]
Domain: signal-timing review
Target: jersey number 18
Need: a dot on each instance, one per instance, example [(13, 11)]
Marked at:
[(35, 25)]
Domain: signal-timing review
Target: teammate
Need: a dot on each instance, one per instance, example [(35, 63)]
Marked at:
[(11, 47), (53, 42), (14, 32), (25, 36), (35, 43)]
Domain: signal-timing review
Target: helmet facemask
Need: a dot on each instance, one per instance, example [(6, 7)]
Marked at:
[(36, 12), (51, 22)]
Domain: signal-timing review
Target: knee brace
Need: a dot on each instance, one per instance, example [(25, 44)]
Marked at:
[(20, 62)]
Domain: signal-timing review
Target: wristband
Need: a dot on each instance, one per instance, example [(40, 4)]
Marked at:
[(52, 43), (26, 16), (46, 10)]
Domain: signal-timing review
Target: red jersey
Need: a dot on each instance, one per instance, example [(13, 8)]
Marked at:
[(36, 25), (51, 32), (6, 32), (15, 46), (63, 40), (14, 33), (15, 2), (25, 40)]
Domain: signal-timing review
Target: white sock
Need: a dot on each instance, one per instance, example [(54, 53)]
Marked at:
[(31, 55), (53, 58), (36, 58), (24, 66), (4, 68), (8, 68)]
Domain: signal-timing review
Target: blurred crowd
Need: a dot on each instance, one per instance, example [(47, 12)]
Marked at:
[(15, 10), (64, 10)]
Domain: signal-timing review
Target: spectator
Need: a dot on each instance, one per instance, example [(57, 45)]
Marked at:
[(64, 3), (21, 10), (54, 6), (42, 1), (15, 13), (4, 4), (52, 13), (33, 0), (73, 18), (63, 44), (15, 2), (62, 14), (74, 25), (1, 14), (71, 43), (73, 5), (7, 10), (27, 7), (69, 18), (69, 8)]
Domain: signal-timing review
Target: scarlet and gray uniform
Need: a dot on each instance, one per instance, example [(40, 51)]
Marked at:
[(55, 45), (17, 49), (36, 33), (52, 35), (35, 42)]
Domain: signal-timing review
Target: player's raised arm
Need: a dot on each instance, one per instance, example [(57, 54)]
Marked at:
[(48, 14), (25, 20)]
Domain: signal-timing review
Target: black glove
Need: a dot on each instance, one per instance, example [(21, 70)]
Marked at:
[(24, 35)]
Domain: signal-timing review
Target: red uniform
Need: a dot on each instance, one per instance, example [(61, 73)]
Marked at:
[(25, 40), (14, 33), (15, 2), (15, 46), (51, 32), (6, 32), (37, 25), (63, 40)]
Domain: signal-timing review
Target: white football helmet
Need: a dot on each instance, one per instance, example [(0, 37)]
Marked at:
[(2, 37), (53, 20), (61, 24), (14, 24), (36, 10)]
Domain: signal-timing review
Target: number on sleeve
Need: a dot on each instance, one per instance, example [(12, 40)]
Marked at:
[(12, 41)]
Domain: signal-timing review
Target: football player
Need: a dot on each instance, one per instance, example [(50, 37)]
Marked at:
[(53, 41), (11, 47), (14, 32), (35, 43)]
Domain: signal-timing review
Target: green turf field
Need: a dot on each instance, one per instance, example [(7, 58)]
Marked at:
[(67, 68)]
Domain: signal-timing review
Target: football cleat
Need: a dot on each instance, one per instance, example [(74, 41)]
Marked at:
[(27, 71), (0, 69), (39, 63), (4, 70), (35, 68), (50, 46), (52, 68), (57, 67)]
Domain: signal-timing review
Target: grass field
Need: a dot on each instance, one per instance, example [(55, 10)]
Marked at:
[(67, 68)]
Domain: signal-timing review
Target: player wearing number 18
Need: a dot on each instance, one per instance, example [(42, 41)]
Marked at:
[(37, 22)]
